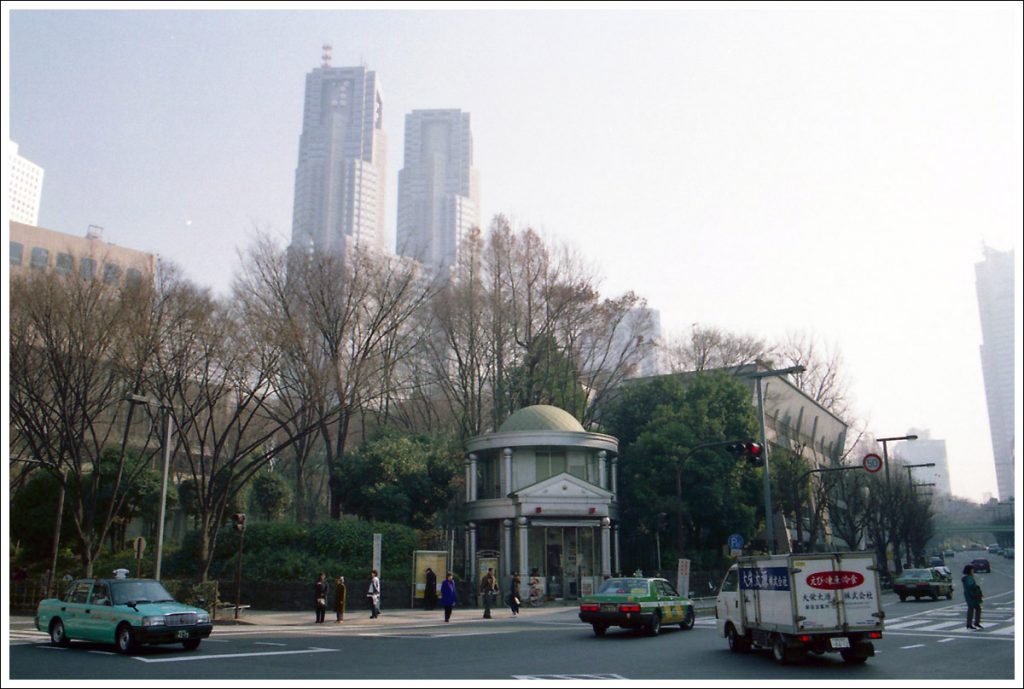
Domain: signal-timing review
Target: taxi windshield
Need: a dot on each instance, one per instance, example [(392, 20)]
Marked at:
[(634, 587), (140, 591)]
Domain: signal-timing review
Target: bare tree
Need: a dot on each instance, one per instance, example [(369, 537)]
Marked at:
[(824, 380), (710, 348)]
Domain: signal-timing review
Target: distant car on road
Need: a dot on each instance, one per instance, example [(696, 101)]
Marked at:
[(948, 552), (922, 582), (936, 561), (124, 612), (1008, 553), (980, 564), (638, 602)]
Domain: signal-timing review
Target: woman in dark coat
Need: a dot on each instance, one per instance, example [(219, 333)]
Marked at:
[(972, 596), (339, 599), (448, 597), (430, 590)]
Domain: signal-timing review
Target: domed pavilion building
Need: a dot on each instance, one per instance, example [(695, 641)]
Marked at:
[(541, 495)]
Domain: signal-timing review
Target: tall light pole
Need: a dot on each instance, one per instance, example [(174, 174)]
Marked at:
[(888, 485), (769, 528), (166, 418)]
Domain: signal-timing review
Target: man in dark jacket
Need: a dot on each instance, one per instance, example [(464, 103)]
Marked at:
[(972, 596), (320, 597), (430, 590), (488, 590)]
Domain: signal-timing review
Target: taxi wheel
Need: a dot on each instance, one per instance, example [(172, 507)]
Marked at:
[(935, 596), (191, 644), (599, 629), (903, 598), (949, 595), (688, 621), (57, 635), (124, 639), (655, 626)]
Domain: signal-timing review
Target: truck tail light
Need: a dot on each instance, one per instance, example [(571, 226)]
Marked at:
[(875, 635), (589, 607), (632, 607), (806, 638)]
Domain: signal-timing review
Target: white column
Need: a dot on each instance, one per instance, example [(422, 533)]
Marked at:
[(618, 567), (471, 529), (469, 479), (507, 456), (615, 478), (472, 478), (602, 458), (524, 551), (606, 547), (507, 556)]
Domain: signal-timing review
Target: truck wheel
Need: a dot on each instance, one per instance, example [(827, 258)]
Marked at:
[(688, 621), (655, 626), (737, 643), (599, 629), (779, 651), (124, 639), (58, 637), (851, 657)]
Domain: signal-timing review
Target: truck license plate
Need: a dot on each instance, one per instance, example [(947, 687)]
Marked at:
[(183, 634), (840, 642)]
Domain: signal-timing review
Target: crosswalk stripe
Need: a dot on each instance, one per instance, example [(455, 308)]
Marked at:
[(942, 625)]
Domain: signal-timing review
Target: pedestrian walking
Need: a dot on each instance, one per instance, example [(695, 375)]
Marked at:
[(972, 596), (320, 597), (448, 596), (513, 594), (430, 590), (339, 599), (373, 593), (488, 590)]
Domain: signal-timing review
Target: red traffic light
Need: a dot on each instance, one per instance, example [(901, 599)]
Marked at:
[(755, 455)]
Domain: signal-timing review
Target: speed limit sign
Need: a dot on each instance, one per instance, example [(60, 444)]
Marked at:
[(872, 463)]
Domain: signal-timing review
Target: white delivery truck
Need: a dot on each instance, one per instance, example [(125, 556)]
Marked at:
[(800, 603)]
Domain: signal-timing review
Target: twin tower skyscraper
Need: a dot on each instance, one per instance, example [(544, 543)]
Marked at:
[(341, 177)]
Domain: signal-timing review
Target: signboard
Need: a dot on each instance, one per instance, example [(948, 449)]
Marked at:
[(437, 560), (764, 578), (872, 463), (683, 577), (376, 553)]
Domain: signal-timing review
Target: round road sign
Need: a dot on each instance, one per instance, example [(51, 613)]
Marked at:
[(872, 463)]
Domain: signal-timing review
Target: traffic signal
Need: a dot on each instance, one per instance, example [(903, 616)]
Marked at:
[(753, 452), (239, 520)]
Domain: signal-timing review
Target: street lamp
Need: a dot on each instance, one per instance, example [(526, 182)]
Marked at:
[(769, 527), (888, 483), (148, 401)]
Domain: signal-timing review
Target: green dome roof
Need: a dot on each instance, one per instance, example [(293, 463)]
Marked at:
[(541, 417)]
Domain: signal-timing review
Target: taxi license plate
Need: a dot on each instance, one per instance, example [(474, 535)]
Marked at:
[(609, 607), (840, 642), (182, 634)]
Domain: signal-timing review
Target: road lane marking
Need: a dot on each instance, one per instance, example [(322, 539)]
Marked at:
[(948, 624), (1003, 630), (266, 643), (903, 648), (946, 640), (104, 653), (907, 623), (185, 659)]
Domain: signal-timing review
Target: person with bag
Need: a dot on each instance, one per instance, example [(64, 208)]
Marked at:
[(320, 597), (488, 590), (373, 593), (448, 596), (513, 595), (972, 596)]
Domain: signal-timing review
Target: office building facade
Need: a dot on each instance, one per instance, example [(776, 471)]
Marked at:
[(25, 187), (340, 179), (438, 188), (994, 281)]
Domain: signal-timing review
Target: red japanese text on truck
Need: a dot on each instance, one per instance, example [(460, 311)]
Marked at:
[(799, 604)]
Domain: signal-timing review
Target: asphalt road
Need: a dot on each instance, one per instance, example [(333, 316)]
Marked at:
[(924, 640)]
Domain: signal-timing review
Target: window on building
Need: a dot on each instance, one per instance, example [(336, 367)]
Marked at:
[(65, 264), (550, 462), (87, 269), (40, 258), (16, 251), (133, 277), (111, 273)]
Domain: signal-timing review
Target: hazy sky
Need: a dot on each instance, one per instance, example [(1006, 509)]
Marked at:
[(763, 169)]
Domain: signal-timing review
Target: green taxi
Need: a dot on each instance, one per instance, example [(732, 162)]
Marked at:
[(638, 603), (125, 612)]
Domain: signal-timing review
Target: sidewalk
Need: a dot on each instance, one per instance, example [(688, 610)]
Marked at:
[(388, 617)]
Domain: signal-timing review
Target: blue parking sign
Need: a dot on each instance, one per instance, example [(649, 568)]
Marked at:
[(735, 542)]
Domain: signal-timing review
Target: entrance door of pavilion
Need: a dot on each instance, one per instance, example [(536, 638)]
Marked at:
[(569, 556)]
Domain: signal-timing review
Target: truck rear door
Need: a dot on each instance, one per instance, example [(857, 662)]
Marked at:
[(836, 592)]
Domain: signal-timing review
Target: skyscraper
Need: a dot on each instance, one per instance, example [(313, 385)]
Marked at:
[(994, 280), (340, 179), (438, 196), (25, 187)]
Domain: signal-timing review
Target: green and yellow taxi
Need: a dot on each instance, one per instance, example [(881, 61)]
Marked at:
[(124, 612), (637, 603)]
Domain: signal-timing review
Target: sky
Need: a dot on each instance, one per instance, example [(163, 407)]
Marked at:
[(767, 169)]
